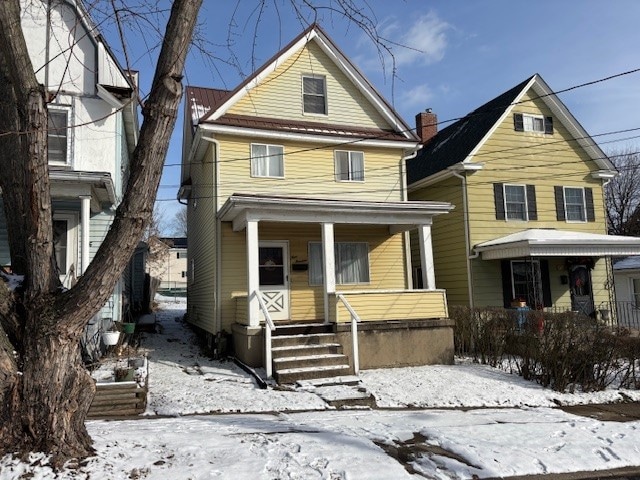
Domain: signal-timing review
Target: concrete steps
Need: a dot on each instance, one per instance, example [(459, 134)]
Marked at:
[(303, 356), (340, 392)]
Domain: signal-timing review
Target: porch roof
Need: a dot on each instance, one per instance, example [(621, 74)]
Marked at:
[(70, 184), (240, 208), (539, 242)]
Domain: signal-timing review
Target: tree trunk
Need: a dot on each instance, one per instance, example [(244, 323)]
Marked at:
[(44, 388)]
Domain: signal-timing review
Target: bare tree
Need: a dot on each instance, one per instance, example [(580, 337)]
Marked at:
[(623, 193), (45, 391), (180, 229)]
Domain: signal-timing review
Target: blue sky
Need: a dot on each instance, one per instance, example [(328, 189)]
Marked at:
[(463, 53)]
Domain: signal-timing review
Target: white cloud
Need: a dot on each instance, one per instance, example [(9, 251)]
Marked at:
[(416, 97), (422, 42)]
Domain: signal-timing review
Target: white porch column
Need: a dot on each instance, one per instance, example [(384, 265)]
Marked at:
[(253, 275), (329, 266), (426, 257), (85, 219)]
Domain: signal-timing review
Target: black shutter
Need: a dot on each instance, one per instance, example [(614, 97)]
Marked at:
[(546, 283), (532, 206), (548, 125), (498, 196), (559, 203), (588, 198), (518, 122), (507, 291)]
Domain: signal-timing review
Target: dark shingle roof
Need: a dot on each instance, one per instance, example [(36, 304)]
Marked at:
[(454, 143)]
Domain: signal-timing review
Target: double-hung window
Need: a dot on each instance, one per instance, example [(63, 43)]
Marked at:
[(349, 166), (635, 292), (526, 281), (267, 160), (515, 201), (314, 95), (58, 136), (574, 204), (352, 263), (526, 122)]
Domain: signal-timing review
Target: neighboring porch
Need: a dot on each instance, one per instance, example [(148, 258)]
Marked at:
[(555, 270), (341, 264)]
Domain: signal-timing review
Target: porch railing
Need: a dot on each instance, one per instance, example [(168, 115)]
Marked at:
[(627, 315), (269, 328), (354, 332)]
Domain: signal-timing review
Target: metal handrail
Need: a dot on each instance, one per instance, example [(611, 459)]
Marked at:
[(269, 327), (354, 332)]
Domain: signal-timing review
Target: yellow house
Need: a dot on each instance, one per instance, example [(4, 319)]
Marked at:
[(298, 221), (528, 185)]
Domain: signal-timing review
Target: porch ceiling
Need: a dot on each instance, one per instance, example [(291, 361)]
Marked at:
[(241, 208), (70, 184), (537, 242)]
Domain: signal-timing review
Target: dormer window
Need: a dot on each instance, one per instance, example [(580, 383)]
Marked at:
[(523, 122), (58, 136), (314, 95)]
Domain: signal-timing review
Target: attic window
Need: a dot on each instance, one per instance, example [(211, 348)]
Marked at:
[(523, 122), (314, 95)]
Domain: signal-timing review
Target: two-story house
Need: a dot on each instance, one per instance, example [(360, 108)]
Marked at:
[(167, 262), (530, 224), (92, 132), (297, 213)]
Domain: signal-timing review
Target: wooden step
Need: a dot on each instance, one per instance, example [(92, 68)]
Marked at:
[(291, 375), (300, 350), (325, 360), (312, 339)]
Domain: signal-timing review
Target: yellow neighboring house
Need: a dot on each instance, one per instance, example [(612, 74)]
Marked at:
[(297, 211), (528, 185)]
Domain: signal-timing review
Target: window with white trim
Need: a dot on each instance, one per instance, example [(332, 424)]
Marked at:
[(574, 204), (267, 160), (314, 94), (515, 202), (635, 291), (533, 123), (58, 136), (349, 166), (352, 263)]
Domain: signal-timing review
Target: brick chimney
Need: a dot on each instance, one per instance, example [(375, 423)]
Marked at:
[(426, 125)]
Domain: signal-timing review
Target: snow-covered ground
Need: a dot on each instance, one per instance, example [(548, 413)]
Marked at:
[(298, 436)]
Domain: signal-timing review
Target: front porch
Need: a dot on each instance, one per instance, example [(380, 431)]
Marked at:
[(341, 264)]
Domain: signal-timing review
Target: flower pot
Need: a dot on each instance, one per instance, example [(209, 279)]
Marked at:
[(128, 327), (110, 338)]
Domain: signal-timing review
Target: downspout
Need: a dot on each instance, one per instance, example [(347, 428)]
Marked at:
[(406, 234), (47, 46), (467, 236), (218, 233)]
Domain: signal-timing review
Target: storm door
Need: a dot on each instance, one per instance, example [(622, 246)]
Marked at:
[(274, 278), (581, 291)]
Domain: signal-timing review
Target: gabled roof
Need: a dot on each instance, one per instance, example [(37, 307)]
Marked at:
[(210, 106), (458, 142)]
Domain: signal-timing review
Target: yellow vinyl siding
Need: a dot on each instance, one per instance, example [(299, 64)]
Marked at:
[(280, 94), (381, 306), (386, 265), (449, 249), (309, 172), (530, 158)]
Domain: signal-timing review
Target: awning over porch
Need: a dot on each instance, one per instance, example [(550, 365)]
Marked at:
[(72, 184), (540, 242), (241, 208)]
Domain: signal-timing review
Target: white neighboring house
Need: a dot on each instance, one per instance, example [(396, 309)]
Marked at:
[(93, 130), (168, 263), (626, 277)]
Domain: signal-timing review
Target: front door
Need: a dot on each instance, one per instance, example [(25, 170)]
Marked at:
[(581, 292), (65, 245), (274, 278)]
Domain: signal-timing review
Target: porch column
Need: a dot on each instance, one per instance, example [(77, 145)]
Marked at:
[(84, 227), (253, 274), (426, 257), (329, 266)]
